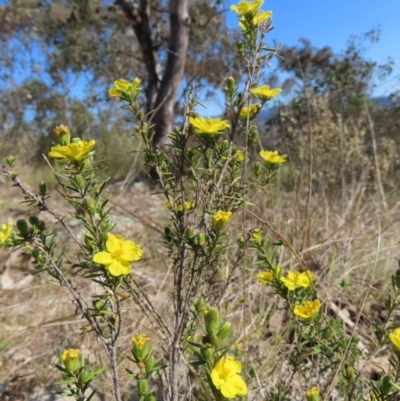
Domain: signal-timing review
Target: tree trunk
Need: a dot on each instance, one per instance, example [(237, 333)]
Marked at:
[(161, 93), (173, 73)]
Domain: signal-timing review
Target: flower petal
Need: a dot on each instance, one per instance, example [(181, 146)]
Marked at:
[(114, 92), (103, 258), (119, 268), (113, 243), (132, 251)]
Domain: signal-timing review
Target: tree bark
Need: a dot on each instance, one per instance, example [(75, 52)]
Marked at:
[(161, 92), (173, 73)]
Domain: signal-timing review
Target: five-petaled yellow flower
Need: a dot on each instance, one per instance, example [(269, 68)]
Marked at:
[(273, 157), (140, 339), (209, 126), (296, 279), (122, 85), (225, 377), (308, 309), (395, 337), (71, 353), (5, 232), (259, 17), (265, 277), (250, 111), (312, 394), (75, 151), (245, 7), (221, 219), (118, 255), (265, 92)]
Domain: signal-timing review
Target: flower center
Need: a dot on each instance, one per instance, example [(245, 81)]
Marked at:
[(225, 373), (119, 252)]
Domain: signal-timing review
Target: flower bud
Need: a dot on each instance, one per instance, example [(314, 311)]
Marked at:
[(224, 146), (253, 138), (96, 304), (189, 234), (22, 226), (257, 168), (201, 239), (230, 84), (200, 305), (34, 221), (79, 181), (90, 244), (43, 189), (63, 134), (224, 330), (150, 362), (141, 351), (91, 206), (143, 387), (151, 397), (211, 317), (206, 352)]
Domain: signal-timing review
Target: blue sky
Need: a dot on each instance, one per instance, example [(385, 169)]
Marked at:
[(332, 22)]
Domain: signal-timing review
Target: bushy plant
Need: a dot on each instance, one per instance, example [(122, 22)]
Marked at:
[(208, 181)]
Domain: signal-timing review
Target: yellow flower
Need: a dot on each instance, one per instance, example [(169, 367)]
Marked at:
[(74, 151), (122, 85), (5, 232), (71, 353), (140, 339), (209, 126), (312, 394), (251, 111), (259, 17), (265, 92), (256, 234), (179, 205), (245, 7), (295, 279), (225, 377), (221, 219), (118, 255), (308, 309), (70, 359), (273, 157), (265, 277), (395, 337)]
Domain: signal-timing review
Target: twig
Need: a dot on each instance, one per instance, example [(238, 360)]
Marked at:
[(42, 206)]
